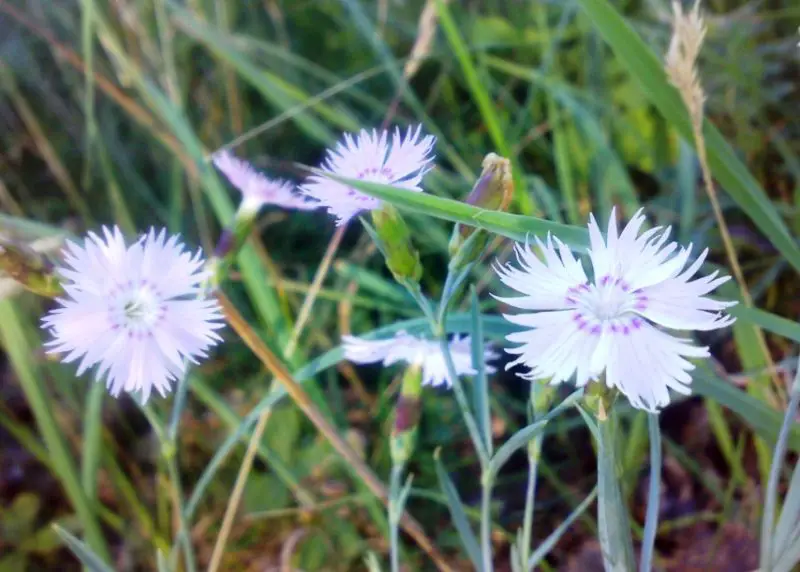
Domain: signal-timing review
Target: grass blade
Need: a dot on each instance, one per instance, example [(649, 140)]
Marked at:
[(82, 552), (547, 545), (483, 100), (516, 227), (456, 507), (20, 353), (726, 167), (92, 440)]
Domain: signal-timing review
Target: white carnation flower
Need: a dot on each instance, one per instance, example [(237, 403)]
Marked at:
[(613, 324), (136, 312)]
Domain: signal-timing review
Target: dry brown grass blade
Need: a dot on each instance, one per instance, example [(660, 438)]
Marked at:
[(306, 405), (681, 66), (105, 85)]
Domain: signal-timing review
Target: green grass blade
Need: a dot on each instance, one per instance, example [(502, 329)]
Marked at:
[(529, 432), (770, 550), (477, 87), (516, 227), (547, 545), (726, 167), (764, 420), (20, 353), (92, 439), (767, 321), (82, 552), (456, 508)]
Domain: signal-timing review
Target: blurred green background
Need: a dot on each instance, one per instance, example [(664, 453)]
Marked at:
[(109, 111)]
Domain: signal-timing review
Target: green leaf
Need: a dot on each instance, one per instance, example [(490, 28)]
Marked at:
[(547, 545), (524, 435), (82, 551), (516, 441), (14, 562), (516, 227), (764, 420), (457, 513), (42, 541), (733, 176), (17, 521)]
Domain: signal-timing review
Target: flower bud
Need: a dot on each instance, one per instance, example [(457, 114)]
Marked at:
[(406, 416), (492, 191), (395, 242), (30, 268)]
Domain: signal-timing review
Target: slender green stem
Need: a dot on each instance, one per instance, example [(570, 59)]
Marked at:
[(768, 519), (534, 448), (183, 532), (612, 512), (169, 453), (540, 397), (437, 325), (92, 439), (487, 482), (463, 404), (178, 403), (395, 484), (653, 495)]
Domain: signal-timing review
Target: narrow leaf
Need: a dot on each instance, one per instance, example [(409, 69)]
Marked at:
[(547, 545), (457, 513), (82, 552)]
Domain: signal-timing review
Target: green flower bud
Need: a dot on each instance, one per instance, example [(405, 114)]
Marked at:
[(395, 242), (30, 268), (406, 416), (492, 191)]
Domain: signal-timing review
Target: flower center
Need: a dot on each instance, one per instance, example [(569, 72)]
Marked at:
[(373, 175), (136, 308), (608, 302)]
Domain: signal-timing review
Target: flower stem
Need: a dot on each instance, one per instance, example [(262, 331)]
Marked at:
[(540, 398), (487, 482), (463, 404), (612, 513), (653, 494), (394, 515)]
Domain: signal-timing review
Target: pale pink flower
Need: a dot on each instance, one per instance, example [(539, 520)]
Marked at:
[(257, 189), (137, 312), (371, 156)]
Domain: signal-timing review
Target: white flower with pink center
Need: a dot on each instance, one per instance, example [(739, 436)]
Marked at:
[(405, 348), (138, 313), (614, 324), (373, 157)]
